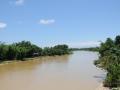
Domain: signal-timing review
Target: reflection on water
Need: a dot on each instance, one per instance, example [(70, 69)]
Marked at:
[(68, 72)]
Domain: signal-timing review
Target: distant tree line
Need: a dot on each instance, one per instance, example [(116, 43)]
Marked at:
[(25, 49), (109, 60), (86, 49)]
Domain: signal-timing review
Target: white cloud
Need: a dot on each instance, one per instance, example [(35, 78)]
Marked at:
[(19, 2), (3, 25), (46, 21), (84, 44)]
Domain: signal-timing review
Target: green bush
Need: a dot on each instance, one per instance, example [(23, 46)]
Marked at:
[(26, 49), (110, 61)]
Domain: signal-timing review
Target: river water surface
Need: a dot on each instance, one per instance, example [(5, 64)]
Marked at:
[(68, 72)]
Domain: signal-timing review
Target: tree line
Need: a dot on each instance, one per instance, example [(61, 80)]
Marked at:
[(25, 49), (109, 60), (85, 49)]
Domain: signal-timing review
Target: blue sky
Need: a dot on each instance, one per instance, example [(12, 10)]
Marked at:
[(78, 23)]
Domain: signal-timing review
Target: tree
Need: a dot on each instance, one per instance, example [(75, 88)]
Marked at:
[(21, 53), (3, 50), (11, 52), (106, 46), (117, 40)]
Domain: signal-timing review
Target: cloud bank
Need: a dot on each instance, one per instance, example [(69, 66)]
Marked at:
[(84, 44)]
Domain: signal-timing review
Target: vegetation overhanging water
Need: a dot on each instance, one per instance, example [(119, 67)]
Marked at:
[(109, 60)]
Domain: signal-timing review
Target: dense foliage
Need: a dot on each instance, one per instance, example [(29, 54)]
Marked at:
[(25, 49), (109, 60)]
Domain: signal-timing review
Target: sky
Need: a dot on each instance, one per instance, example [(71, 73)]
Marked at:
[(78, 23)]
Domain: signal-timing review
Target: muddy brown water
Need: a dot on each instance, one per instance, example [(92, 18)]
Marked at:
[(68, 72)]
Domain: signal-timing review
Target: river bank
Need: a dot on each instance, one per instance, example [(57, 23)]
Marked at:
[(100, 87), (16, 61), (30, 59)]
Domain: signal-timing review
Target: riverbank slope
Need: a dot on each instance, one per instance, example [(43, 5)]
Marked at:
[(100, 87)]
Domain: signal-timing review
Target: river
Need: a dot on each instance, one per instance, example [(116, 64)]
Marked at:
[(68, 72)]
